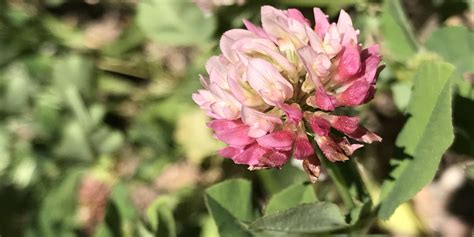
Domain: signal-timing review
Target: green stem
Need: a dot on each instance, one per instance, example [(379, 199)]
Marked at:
[(336, 176), (345, 175)]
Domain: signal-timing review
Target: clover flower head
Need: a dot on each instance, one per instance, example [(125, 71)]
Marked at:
[(270, 80)]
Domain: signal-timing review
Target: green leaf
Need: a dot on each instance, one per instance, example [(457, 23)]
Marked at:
[(166, 223), (291, 197), (74, 71), (121, 197), (274, 181), (174, 22), (230, 203), (106, 140), (19, 88), (401, 92), (397, 33), (48, 114), (74, 143), (131, 38), (66, 34), (424, 138), (461, 55), (160, 215), (470, 171), (208, 227), (313, 218), (24, 172), (5, 153), (114, 85), (56, 214), (113, 219)]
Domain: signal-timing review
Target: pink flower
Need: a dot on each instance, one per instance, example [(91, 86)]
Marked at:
[(270, 81)]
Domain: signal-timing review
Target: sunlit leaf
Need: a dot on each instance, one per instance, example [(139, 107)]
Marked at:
[(74, 143), (274, 181), (56, 216), (160, 216), (401, 92), (209, 228), (470, 171), (291, 197), (313, 218), (66, 34), (230, 203), (424, 138), (399, 41), (460, 56), (19, 88), (74, 71)]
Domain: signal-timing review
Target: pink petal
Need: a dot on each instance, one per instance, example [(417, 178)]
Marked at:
[(349, 37), (275, 159), (297, 15), (308, 56), (302, 148), (315, 41), (229, 152), (258, 30), (229, 38), (251, 155), (203, 98), (352, 128), (332, 41), (243, 93), (324, 101), (355, 94), (288, 31), (232, 132), (345, 124), (274, 21), (264, 78), (320, 126), (349, 63), (344, 22), (265, 47), (224, 124), (280, 140), (293, 112), (364, 135), (260, 123), (370, 62), (370, 94), (346, 146), (321, 22), (224, 110), (330, 149)]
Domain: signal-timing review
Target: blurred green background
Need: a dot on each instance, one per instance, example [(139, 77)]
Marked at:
[(99, 135)]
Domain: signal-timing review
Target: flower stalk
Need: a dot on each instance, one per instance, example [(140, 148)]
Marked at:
[(346, 176)]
